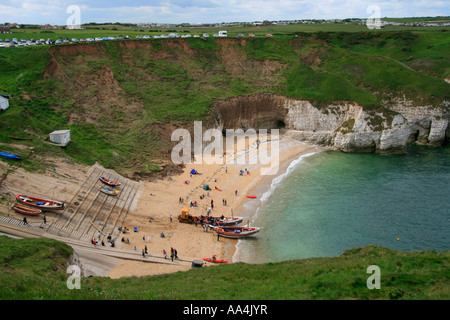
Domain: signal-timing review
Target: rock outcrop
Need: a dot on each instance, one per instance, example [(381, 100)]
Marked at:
[(345, 126)]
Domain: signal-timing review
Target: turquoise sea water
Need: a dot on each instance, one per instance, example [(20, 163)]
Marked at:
[(333, 201)]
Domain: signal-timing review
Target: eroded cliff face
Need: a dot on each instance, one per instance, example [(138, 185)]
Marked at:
[(345, 126)]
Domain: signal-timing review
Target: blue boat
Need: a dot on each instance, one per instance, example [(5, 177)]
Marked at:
[(8, 155)]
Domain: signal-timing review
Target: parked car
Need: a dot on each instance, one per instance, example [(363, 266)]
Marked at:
[(2, 45), (269, 35), (75, 40)]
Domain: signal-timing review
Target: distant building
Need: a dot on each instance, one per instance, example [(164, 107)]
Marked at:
[(49, 27), (4, 103), (5, 29), (60, 137)]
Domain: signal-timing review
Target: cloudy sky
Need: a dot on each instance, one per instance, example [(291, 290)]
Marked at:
[(209, 11)]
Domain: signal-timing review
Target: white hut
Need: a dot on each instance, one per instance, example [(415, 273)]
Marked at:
[(4, 103), (61, 137)]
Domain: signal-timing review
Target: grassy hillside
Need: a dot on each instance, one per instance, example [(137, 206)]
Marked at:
[(36, 269), (122, 99)]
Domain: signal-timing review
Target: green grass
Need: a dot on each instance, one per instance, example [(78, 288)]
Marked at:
[(36, 269)]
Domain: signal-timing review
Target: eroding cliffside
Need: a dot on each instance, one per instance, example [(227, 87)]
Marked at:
[(345, 126)]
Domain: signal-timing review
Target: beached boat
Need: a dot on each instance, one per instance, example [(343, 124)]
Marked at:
[(20, 208), (236, 232), (109, 191), (109, 182), (251, 197), (221, 221), (215, 260), (43, 204), (9, 155)]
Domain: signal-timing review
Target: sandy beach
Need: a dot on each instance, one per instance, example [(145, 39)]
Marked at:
[(160, 201), (158, 204)]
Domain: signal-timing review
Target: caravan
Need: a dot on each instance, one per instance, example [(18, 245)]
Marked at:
[(223, 33)]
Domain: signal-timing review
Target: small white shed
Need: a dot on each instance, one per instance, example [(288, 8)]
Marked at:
[(4, 103), (61, 137)]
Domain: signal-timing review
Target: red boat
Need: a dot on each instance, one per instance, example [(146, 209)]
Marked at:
[(20, 208), (109, 182), (215, 260), (236, 232), (43, 204)]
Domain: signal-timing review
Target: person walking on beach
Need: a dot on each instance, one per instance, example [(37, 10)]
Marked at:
[(175, 253), (25, 222), (45, 219), (143, 253), (235, 192)]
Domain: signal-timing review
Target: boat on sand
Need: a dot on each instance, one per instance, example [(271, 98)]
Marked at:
[(215, 260), (109, 191), (109, 182), (236, 232), (23, 209), (39, 203)]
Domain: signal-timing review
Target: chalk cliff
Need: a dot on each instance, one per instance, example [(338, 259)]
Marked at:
[(345, 126)]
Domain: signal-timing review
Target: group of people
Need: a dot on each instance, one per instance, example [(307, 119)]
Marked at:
[(241, 172), (111, 243), (173, 253)]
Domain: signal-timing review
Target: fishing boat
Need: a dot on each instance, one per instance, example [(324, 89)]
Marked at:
[(215, 260), (236, 232), (251, 197), (109, 182), (20, 208), (109, 191), (221, 221), (9, 155), (39, 203)]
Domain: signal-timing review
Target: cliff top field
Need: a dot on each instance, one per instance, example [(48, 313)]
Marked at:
[(122, 99)]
